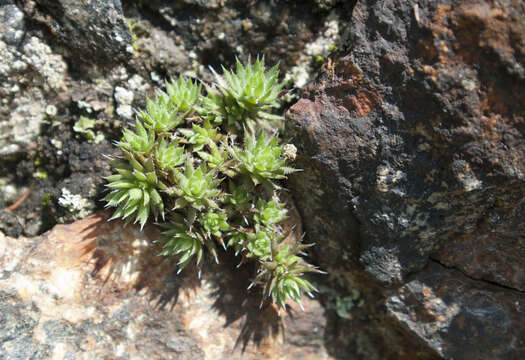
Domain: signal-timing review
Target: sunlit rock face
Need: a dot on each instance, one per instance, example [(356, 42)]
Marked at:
[(93, 288), (412, 141)]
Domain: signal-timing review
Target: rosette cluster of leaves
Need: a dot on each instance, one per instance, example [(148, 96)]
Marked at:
[(202, 163)]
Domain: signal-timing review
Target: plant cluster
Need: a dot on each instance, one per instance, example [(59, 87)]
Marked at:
[(202, 161)]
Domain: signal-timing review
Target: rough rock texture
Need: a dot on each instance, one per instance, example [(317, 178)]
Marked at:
[(96, 289), (298, 35), (29, 72), (412, 142), (97, 26), (412, 145)]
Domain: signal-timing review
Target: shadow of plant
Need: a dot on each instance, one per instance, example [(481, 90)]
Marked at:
[(260, 319), (126, 259)]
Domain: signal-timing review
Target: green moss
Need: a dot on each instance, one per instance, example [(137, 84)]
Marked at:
[(40, 174), (85, 126), (134, 36), (320, 59), (344, 304), (211, 164), (46, 200)]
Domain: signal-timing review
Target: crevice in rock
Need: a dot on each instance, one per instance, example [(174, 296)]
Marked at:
[(504, 287)]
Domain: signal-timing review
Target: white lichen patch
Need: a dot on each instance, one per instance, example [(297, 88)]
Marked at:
[(6, 60), (137, 83), (75, 204), (12, 24), (125, 111), (319, 48), (35, 65), (388, 178), (50, 66), (123, 96)]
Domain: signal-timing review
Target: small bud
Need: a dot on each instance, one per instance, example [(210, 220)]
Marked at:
[(289, 152)]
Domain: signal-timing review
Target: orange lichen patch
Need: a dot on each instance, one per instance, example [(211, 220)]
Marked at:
[(441, 18), (361, 104), (483, 26), (463, 36)]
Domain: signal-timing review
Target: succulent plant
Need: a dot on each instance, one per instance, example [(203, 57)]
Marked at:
[(200, 136), (210, 160), (159, 115), (134, 191), (169, 156), (140, 142), (252, 87), (215, 223), (247, 94), (261, 159), (178, 240), (269, 212), (184, 94), (197, 188)]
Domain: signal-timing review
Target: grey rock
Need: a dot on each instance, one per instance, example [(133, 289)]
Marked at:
[(162, 51), (94, 31), (12, 24)]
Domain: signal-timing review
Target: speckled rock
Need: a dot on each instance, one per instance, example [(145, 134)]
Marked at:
[(93, 31), (29, 71), (298, 35), (412, 142), (451, 313), (94, 288)]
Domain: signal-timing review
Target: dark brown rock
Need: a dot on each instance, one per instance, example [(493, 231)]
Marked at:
[(412, 142), (451, 313)]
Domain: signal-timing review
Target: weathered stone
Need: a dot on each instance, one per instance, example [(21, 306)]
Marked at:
[(161, 50), (452, 313), (298, 35), (95, 30), (29, 70), (12, 26), (94, 288), (412, 142)]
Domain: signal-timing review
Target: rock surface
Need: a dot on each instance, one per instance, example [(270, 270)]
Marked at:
[(93, 288), (98, 28), (412, 142), (412, 145)]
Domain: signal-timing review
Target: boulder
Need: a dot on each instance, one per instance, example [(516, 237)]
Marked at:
[(412, 142)]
